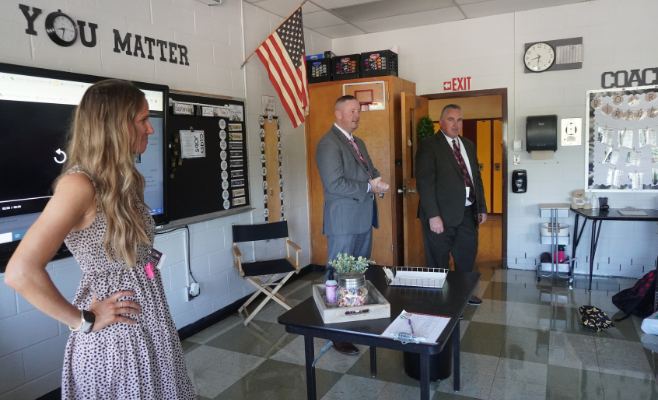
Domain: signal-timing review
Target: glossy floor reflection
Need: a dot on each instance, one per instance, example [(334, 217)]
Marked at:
[(524, 342)]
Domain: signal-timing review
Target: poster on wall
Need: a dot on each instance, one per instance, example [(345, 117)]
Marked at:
[(622, 151)]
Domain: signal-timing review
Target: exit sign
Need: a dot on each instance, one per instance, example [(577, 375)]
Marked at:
[(457, 84)]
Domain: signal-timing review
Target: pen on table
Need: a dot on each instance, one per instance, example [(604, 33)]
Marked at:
[(411, 326)]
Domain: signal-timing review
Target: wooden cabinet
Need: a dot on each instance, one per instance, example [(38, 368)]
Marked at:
[(381, 132)]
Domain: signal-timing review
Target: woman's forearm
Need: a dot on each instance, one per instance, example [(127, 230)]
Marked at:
[(36, 286)]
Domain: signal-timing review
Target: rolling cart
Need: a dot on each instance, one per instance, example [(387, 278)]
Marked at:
[(555, 234)]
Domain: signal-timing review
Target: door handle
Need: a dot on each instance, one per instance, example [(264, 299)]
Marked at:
[(404, 191)]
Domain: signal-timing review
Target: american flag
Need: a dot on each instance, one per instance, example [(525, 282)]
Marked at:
[(283, 55)]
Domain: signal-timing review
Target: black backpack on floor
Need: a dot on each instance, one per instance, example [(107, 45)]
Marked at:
[(639, 299)]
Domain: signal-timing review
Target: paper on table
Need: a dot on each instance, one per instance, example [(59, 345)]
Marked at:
[(427, 328), (631, 213)]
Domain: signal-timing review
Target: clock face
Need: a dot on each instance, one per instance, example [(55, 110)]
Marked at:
[(539, 57), (61, 29)]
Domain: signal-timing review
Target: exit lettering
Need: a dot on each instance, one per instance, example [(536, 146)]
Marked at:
[(457, 84)]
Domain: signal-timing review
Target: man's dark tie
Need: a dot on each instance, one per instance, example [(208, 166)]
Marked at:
[(465, 175)]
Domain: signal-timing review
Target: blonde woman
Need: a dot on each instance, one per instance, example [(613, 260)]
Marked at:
[(123, 344)]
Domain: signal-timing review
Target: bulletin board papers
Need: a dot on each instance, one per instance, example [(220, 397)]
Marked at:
[(622, 151), (193, 144), (424, 328), (237, 113)]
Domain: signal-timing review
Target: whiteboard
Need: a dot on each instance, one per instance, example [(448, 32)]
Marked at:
[(622, 129)]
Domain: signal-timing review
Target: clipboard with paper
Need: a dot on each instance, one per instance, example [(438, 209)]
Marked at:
[(411, 327)]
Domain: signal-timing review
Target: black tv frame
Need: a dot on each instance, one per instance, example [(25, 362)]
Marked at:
[(7, 249)]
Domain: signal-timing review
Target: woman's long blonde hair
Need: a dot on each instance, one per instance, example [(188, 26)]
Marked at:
[(100, 143)]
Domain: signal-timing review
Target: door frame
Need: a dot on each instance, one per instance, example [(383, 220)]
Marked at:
[(488, 92)]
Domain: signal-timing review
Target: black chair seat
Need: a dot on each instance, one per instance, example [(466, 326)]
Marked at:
[(268, 267)]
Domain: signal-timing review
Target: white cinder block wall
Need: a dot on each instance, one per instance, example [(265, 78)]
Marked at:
[(32, 344), (490, 51)]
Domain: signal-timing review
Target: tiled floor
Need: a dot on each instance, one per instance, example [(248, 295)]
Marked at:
[(524, 342)]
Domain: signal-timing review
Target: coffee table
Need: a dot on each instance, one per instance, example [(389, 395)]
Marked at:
[(450, 301)]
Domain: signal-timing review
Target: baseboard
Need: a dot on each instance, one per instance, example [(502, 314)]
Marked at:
[(207, 321)]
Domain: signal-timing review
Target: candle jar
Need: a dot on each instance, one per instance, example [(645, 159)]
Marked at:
[(352, 289), (331, 289)]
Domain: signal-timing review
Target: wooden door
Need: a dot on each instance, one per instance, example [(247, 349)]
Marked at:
[(497, 166), (412, 109), (483, 145), (375, 130)]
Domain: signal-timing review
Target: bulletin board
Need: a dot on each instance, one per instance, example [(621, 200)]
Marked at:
[(622, 151), (207, 149)]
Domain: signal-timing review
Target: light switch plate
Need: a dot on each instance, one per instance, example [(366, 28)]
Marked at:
[(517, 159), (571, 131), (517, 145)]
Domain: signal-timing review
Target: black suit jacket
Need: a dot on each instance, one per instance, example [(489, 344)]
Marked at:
[(441, 188)]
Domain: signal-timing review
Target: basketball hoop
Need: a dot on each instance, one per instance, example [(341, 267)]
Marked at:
[(365, 98)]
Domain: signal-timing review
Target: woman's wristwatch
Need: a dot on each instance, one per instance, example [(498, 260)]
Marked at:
[(87, 321)]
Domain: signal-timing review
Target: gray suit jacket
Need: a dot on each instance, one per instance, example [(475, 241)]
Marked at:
[(439, 181), (348, 207)]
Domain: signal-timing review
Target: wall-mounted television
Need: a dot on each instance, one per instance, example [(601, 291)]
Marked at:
[(36, 112)]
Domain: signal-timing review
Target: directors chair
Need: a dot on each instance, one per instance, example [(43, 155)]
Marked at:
[(269, 269)]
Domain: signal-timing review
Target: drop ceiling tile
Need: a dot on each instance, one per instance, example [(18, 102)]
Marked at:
[(321, 19), (283, 8), (494, 7), (389, 8), (411, 20), (339, 31), (462, 2), (329, 4)]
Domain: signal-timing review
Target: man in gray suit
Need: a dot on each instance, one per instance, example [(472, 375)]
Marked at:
[(349, 182), (452, 204)]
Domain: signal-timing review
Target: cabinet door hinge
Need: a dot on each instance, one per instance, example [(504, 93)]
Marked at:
[(388, 96), (392, 251)]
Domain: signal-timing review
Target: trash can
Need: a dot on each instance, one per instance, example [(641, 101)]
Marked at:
[(440, 364)]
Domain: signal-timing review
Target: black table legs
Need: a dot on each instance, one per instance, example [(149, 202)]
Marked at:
[(373, 361), (424, 376), (456, 333), (592, 248), (310, 369)]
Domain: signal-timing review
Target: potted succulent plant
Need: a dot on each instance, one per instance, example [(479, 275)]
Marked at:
[(350, 271)]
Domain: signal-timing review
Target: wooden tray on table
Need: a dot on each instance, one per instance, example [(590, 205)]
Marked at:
[(378, 307)]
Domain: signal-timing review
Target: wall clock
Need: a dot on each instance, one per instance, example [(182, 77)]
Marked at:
[(61, 28), (539, 57)]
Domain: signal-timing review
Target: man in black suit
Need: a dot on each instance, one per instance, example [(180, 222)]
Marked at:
[(452, 204)]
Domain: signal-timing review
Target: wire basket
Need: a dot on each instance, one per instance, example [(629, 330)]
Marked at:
[(414, 276)]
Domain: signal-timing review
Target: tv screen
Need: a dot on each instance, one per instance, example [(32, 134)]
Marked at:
[(36, 112)]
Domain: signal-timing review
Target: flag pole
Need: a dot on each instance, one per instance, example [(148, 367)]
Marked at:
[(252, 53)]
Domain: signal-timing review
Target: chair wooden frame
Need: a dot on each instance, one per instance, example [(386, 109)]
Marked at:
[(264, 287)]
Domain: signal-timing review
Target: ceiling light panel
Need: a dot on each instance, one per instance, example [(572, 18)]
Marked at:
[(321, 19), (389, 8), (329, 4)]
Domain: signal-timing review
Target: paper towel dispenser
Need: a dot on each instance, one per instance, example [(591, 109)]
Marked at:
[(541, 133)]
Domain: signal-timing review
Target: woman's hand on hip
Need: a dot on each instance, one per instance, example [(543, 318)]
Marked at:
[(109, 311)]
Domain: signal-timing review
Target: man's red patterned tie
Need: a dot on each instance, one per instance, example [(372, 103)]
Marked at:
[(356, 148), (462, 165)]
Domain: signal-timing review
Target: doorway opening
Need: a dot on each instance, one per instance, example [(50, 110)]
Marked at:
[(485, 124)]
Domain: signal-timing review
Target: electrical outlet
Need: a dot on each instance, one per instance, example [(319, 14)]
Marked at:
[(517, 145)]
